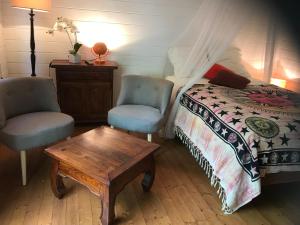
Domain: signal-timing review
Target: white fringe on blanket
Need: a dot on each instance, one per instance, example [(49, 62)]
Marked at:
[(214, 180)]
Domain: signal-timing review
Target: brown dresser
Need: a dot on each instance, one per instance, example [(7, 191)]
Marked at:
[(85, 91)]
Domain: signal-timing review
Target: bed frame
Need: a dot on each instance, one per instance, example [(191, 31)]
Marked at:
[(280, 178)]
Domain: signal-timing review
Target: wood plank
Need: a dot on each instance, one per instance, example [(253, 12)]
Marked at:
[(180, 190), (168, 178), (7, 210), (23, 205), (72, 206), (172, 210), (84, 207), (152, 209), (252, 216), (34, 205), (96, 208), (184, 190), (46, 208), (231, 219), (59, 211), (128, 210)]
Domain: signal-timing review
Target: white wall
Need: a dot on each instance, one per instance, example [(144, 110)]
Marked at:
[(143, 29), (252, 41), (287, 55), (3, 69)]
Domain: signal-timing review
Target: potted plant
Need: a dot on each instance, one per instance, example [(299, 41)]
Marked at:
[(66, 25)]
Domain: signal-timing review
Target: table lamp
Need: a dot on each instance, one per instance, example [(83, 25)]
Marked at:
[(37, 5), (101, 51), (278, 82)]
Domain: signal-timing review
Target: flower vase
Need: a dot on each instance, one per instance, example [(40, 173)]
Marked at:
[(74, 58)]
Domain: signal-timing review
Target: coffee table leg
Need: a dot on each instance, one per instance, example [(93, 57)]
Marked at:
[(57, 185), (108, 206), (149, 176)]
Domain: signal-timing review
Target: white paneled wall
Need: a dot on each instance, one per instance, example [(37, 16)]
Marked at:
[(254, 37), (287, 55), (251, 40), (3, 69), (138, 32)]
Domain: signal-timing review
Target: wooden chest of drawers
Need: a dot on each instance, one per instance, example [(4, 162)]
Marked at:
[(85, 91)]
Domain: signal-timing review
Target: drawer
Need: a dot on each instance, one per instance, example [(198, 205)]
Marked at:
[(82, 75)]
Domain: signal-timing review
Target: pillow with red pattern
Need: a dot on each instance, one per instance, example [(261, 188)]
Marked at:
[(230, 79), (213, 71)]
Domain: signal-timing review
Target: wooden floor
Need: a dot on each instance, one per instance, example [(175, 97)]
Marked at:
[(181, 194)]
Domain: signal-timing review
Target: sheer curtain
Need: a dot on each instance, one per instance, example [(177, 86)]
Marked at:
[(210, 32)]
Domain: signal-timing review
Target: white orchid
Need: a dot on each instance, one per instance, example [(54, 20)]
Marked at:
[(64, 24)]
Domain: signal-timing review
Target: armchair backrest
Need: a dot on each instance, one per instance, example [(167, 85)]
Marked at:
[(25, 95), (141, 90)]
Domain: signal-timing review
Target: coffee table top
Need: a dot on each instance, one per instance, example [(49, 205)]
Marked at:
[(102, 153)]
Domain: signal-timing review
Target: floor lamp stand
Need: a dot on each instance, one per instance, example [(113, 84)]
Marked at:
[(32, 44)]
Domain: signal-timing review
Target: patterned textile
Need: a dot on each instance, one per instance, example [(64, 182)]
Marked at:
[(240, 134)]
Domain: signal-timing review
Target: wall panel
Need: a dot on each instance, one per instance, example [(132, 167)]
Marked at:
[(140, 32), (3, 66)]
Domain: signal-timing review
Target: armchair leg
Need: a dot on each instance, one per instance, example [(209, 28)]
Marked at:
[(149, 137), (23, 167)]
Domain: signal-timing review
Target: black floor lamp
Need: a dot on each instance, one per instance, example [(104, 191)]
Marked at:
[(32, 5)]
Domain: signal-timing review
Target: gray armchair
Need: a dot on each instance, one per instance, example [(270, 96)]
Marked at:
[(30, 116), (141, 105)]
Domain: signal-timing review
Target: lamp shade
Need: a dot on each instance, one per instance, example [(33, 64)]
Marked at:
[(41, 5), (278, 82)]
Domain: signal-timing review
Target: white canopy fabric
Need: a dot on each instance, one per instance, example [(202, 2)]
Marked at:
[(211, 31)]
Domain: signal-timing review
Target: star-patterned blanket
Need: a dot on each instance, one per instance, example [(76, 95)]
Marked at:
[(239, 135)]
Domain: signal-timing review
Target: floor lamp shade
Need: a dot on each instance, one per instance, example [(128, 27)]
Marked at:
[(41, 5)]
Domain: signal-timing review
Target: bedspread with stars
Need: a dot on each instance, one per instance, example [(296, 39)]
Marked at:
[(258, 125)]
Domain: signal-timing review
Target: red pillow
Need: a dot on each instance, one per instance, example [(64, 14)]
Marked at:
[(213, 71), (230, 79)]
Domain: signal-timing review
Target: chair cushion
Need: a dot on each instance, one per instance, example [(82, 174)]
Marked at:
[(139, 118), (32, 130)]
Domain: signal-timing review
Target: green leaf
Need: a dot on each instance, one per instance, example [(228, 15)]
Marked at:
[(76, 47)]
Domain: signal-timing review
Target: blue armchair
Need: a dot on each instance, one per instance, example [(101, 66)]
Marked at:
[(141, 105), (30, 116)]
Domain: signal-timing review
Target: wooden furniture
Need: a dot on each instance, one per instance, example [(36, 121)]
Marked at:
[(280, 178), (104, 160), (85, 91)]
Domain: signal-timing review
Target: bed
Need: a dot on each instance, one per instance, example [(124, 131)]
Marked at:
[(241, 137)]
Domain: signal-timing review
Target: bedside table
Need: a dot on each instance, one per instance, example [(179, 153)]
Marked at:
[(85, 91)]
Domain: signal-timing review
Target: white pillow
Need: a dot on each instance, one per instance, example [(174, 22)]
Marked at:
[(177, 56), (256, 82), (181, 81), (232, 60)]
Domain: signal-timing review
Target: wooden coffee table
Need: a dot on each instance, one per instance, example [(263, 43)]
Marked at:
[(104, 160)]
